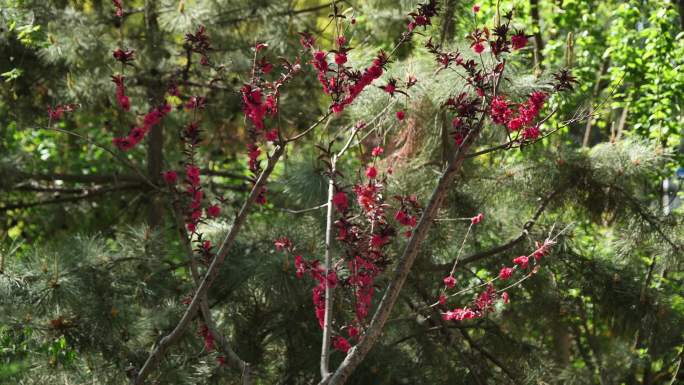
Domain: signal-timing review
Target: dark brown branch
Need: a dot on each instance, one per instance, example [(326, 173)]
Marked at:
[(231, 357), (159, 351), (490, 357), (73, 178), (289, 12), (527, 227), (88, 194)]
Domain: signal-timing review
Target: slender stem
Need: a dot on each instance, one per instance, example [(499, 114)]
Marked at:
[(327, 318), (291, 211)]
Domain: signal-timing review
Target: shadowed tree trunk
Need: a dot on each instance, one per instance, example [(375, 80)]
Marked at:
[(538, 42), (155, 93)]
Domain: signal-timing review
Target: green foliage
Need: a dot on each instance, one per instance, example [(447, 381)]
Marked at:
[(87, 287)]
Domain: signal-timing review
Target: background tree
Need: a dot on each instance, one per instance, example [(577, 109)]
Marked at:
[(94, 273)]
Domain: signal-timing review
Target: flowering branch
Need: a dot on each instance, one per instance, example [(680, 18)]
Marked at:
[(207, 281), (211, 333), (527, 227), (327, 320), (358, 353)]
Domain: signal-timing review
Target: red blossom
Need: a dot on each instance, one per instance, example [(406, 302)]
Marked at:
[(476, 8), (340, 201), (450, 282), (170, 177), (341, 41), (340, 58), (119, 7), (306, 40), (300, 266), (519, 40), (283, 243), (522, 261), (213, 211), (500, 112), (124, 56), (208, 338), (459, 314), (390, 87), (531, 133), (340, 343), (377, 151), (401, 115), (371, 172), (505, 273), (271, 136), (477, 219), (478, 47), (59, 110), (192, 173)]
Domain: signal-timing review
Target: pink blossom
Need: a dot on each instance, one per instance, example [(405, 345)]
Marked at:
[(522, 261), (477, 219), (340, 343), (478, 48), (170, 177), (505, 273), (450, 281), (213, 211)]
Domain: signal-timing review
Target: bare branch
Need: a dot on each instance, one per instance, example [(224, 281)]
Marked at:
[(291, 211), (87, 194)]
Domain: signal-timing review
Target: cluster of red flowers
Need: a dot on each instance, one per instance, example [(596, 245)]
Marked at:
[(342, 83), (485, 301), (519, 40), (423, 16), (407, 214), (136, 134), (208, 338), (121, 97), (59, 110), (356, 84), (255, 107), (125, 57), (118, 5), (260, 101), (523, 119), (199, 42)]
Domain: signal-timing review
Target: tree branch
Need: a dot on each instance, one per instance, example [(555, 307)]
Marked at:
[(212, 272), (370, 337), (88, 194)]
